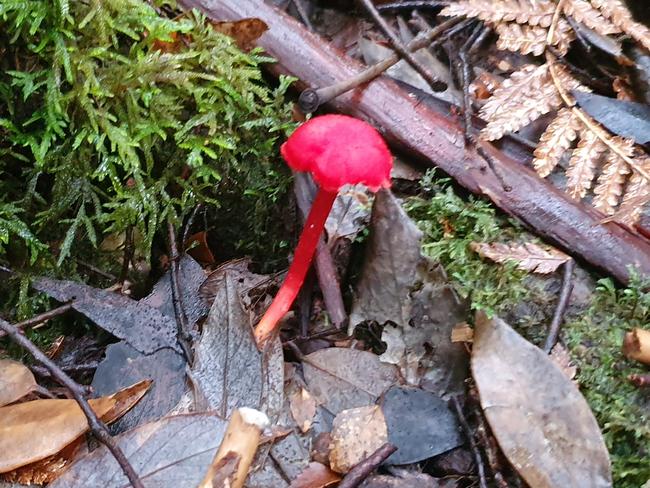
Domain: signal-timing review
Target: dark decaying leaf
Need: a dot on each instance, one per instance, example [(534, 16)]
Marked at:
[(400, 286), (407, 479), (341, 378), (169, 453), (316, 475), (124, 365), (238, 268), (624, 118), (541, 421), (420, 425), (228, 370)]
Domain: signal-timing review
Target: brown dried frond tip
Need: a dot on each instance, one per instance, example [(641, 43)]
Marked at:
[(528, 39), (611, 181), (555, 141), (620, 16), (531, 12), (637, 195), (528, 256), (583, 11), (582, 165)]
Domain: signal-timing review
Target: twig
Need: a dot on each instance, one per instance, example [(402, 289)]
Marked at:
[(41, 317), (490, 162), (98, 271), (304, 302), (184, 337), (562, 304), (397, 44), (472, 442), (361, 471), (188, 224), (129, 250), (74, 368), (464, 55), (302, 12), (489, 446), (311, 99), (412, 5), (96, 426)]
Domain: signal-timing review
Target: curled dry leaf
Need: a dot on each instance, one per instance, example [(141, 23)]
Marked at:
[(528, 256), (315, 475), (356, 433), (34, 430), (636, 345), (538, 416), (244, 31), (16, 381)]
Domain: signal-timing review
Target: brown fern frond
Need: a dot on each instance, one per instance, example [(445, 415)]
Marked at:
[(528, 39), (583, 11), (609, 188), (522, 98), (555, 141), (530, 12), (637, 195), (528, 256), (621, 17), (582, 165)]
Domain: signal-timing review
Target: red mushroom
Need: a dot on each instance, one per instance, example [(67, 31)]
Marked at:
[(337, 150)]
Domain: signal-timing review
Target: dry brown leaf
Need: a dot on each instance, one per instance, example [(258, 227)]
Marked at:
[(462, 332), (34, 430), (637, 195), (555, 141), (620, 16), (356, 433), (542, 423), (315, 475), (531, 12), (244, 31), (303, 409), (531, 39), (582, 165), (583, 11), (560, 355), (528, 256), (611, 180), (16, 381)]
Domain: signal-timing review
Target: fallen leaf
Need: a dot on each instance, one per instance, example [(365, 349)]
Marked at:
[(34, 430), (420, 425), (245, 32), (229, 371), (560, 355), (538, 416), (169, 453), (16, 381), (303, 409), (528, 256), (316, 475), (462, 332), (403, 478), (345, 378), (238, 269), (197, 247), (356, 433), (409, 293)]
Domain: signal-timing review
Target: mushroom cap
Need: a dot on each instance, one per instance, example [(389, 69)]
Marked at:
[(339, 150)]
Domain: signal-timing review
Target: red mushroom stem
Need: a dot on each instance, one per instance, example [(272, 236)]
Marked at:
[(300, 265)]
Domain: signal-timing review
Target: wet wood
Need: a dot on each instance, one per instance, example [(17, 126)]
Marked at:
[(435, 138)]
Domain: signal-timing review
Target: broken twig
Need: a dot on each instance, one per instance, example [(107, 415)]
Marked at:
[(184, 337), (361, 471), (562, 304), (472, 442), (97, 427), (41, 317)]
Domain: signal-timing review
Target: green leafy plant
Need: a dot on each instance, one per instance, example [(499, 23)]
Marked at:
[(115, 117)]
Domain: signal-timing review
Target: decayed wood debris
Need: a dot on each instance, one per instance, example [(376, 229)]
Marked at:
[(436, 138)]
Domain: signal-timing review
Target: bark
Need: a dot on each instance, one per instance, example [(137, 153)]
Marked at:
[(435, 137)]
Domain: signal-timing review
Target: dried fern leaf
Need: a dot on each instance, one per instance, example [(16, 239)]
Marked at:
[(528, 256), (637, 195), (621, 17), (583, 11), (609, 188), (582, 165), (528, 39), (555, 141), (530, 12), (522, 98)]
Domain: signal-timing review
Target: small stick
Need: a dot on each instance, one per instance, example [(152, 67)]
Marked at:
[(412, 5), (472, 442), (473, 41), (41, 317), (489, 449), (239, 443), (129, 250), (311, 99), (188, 224), (96, 426), (74, 368), (97, 271), (562, 304), (361, 471), (302, 12), (397, 44), (184, 337)]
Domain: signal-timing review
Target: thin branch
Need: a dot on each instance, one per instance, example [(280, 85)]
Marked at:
[(562, 304), (361, 471), (184, 337), (97, 427), (41, 317), (472, 442), (302, 12), (412, 5), (74, 368)]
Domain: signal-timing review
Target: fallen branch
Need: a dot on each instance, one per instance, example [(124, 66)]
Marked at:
[(435, 137), (361, 471), (562, 304), (97, 427)]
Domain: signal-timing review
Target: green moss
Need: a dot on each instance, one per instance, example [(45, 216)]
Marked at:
[(594, 336)]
